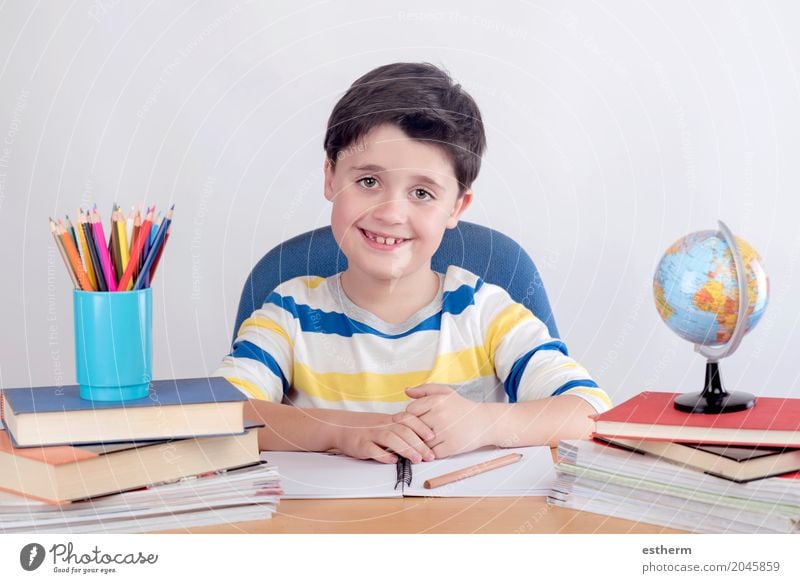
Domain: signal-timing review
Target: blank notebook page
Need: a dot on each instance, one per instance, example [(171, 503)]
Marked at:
[(326, 475), (531, 476)]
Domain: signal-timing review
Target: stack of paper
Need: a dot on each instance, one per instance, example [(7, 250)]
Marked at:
[(249, 493), (599, 478)]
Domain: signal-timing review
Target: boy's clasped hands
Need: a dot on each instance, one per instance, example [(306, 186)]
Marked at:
[(438, 423)]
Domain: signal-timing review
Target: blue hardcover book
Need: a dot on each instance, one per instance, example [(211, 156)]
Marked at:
[(174, 409)]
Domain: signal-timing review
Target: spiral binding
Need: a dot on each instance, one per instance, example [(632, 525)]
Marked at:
[(403, 472)]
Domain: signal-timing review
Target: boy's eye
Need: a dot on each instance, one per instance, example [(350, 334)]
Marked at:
[(368, 182), (422, 194)]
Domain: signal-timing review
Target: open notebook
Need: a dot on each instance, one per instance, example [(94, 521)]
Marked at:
[(328, 475)]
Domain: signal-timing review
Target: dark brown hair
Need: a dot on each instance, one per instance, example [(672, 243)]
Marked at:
[(422, 100)]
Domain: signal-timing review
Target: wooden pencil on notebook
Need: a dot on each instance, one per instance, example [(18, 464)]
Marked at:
[(472, 470)]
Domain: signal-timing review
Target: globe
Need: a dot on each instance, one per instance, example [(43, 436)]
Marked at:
[(696, 288), (699, 287)]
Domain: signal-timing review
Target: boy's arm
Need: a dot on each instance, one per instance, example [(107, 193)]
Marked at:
[(461, 425), (542, 421), (260, 365), (550, 395), (290, 428), (357, 434)]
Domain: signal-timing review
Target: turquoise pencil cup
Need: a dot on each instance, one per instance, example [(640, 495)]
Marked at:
[(113, 344)]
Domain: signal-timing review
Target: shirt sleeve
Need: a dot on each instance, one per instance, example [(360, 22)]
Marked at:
[(261, 360), (529, 362)]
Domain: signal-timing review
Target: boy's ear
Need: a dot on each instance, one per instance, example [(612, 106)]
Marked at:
[(461, 205), (328, 170)]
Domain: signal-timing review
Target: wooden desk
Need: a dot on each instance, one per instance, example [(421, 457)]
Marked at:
[(529, 514), (431, 515)]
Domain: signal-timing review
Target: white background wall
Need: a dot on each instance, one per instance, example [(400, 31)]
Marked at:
[(613, 127)]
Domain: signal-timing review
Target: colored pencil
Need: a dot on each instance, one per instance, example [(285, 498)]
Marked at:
[(137, 224), (144, 280), (63, 253), (87, 257), (160, 251), (153, 234), (105, 257), (144, 232), (154, 230), (72, 232), (117, 243), (122, 237), (126, 260), (146, 245), (113, 246), (97, 265), (129, 224), (74, 258)]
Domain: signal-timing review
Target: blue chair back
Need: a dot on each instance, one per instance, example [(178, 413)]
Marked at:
[(493, 256)]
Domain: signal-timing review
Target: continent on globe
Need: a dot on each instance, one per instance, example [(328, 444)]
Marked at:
[(696, 287)]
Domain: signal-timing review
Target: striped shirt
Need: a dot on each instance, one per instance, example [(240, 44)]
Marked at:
[(309, 345)]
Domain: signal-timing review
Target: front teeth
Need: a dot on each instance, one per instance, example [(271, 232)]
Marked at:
[(382, 240)]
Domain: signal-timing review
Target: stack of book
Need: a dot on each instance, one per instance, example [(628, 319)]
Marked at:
[(649, 462), (184, 456)]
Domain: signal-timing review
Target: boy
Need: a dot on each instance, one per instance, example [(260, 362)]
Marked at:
[(389, 357)]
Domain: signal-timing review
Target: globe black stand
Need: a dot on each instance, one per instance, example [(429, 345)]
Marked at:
[(714, 398)]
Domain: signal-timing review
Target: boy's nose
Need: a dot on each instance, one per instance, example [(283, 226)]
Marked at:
[(392, 209)]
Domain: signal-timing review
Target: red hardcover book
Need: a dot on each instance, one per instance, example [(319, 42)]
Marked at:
[(652, 415)]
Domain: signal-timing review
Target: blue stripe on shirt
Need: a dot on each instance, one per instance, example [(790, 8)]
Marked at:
[(322, 322), (515, 376), (576, 383), (245, 349)]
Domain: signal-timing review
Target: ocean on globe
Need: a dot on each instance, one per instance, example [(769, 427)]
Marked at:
[(697, 292)]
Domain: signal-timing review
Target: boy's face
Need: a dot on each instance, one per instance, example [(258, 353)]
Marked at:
[(391, 186)]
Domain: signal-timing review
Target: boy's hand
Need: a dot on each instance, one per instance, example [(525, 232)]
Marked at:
[(460, 425), (370, 435)]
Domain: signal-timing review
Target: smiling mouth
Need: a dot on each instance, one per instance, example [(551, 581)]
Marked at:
[(385, 241)]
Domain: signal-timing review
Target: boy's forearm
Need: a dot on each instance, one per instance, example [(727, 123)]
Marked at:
[(290, 428), (540, 422)]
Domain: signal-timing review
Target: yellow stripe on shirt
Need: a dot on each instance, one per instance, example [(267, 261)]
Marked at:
[(598, 394), (266, 324), (449, 369), (509, 318), (313, 281), (248, 387)]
